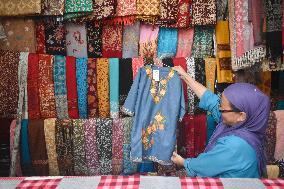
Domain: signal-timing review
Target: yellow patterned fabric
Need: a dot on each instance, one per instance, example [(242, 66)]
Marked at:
[(19, 7), (103, 87), (148, 10), (210, 67), (49, 133)]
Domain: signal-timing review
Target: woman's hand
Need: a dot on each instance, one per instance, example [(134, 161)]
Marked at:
[(177, 159), (180, 71)]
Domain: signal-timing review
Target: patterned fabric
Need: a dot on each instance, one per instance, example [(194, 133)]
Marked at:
[(114, 87), (148, 10), (279, 153), (82, 86), (257, 11), (190, 94), (12, 138), (148, 41), (168, 11), (78, 6), (20, 35), (52, 7), (60, 89), (112, 182), (55, 41), (40, 183), (222, 9), (271, 136), (273, 15), (103, 86), (2, 32), (117, 146), (80, 165), (185, 40), (64, 146), (210, 68), (9, 62), (37, 147), (20, 7), (40, 38), (202, 42), (204, 12), (91, 149), (265, 84), (94, 40), (210, 183), (126, 8), (136, 64), (104, 144), (92, 88), (49, 133), (273, 184), (183, 15), (167, 42), (112, 41), (130, 40), (71, 87), (46, 86)]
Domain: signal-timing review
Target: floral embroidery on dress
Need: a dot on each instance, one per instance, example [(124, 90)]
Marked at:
[(147, 134)]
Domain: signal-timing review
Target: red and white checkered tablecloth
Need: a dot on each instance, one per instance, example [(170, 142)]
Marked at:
[(119, 182), (201, 183), (42, 183), (273, 183)]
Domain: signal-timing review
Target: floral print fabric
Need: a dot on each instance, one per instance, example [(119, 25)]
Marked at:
[(72, 6), (40, 38), (204, 12), (20, 7), (117, 146), (112, 41), (93, 108), (148, 41), (94, 40), (52, 7), (210, 68), (82, 86), (168, 11), (185, 41), (130, 40), (202, 42)]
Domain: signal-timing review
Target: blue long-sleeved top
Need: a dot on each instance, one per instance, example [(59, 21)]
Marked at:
[(231, 157)]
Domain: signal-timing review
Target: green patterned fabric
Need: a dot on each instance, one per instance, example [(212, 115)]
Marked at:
[(72, 6)]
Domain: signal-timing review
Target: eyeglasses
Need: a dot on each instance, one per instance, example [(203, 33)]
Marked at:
[(224, 111)]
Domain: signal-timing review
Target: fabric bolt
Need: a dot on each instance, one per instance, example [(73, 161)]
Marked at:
[(91, 148), (33, 86), (40, 37), (55, 41), (148, 42), (136, 64), (46, 86), (168, 11), (202, 42), (71, 84), (80, 164), (167, 42), (20, 7), (76, 40), (82, 86), (48, 183), (112, 41), (210, 69), (78, 6), (103, 87), (20, 35), (112, 182), (190, 94), (64, 146), (49, 133), (94, 40), (117, 146), (211, 183), (204, 12), (114, 87), (104, 144), (53, 7), (271, 138), (60, 89), (148, 10), (92, 88), (12, 138), (279, 154), (185, 41), (37, 147), (130, 40)]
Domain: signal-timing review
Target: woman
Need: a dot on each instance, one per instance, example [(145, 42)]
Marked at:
[(236, 146)]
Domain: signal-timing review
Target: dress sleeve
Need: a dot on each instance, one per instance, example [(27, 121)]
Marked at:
[(210, 102), (130, 102)]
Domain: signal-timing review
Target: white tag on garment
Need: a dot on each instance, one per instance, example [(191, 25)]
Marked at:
[(156, 75)]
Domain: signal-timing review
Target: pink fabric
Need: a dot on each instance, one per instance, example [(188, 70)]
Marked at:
[(136, 64), (117, 146), (148, 42), (257, 18), (12, 137), (279, 147), (185, 40)]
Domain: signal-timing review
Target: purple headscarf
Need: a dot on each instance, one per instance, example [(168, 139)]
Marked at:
[(249, 99)]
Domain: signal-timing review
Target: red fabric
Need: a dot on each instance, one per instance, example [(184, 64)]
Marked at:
[(32, 86), (112, 41), (273, 183), (39, 184), (200, 133), (113, 182), (183, 17), (208, 183), (93, 106), (40, 38), (182, 62), (71, 87)]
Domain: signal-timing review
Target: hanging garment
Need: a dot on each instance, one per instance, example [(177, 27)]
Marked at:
[(78, 6), (82, 86), (168, 12), (210, 70), (202, 42), (40, 37), (20, 7), (93, 107), (148, 41), (46, 86), (12, 138), (200, 77), (103, 86), (112, 41), (257, 11), (222, 9), (136, 64), (20, 35), (204, 12), (52, 7), (71, 87), (185, 41), (60, 89), (279, 153), (148, 10), (270, 133), (114, 87), (167, 42), (183, 15), (148, 101), (190, 94), (94, 40), (117, 146), (126, 8), (200, 133), (130, 40), (49, 133)]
